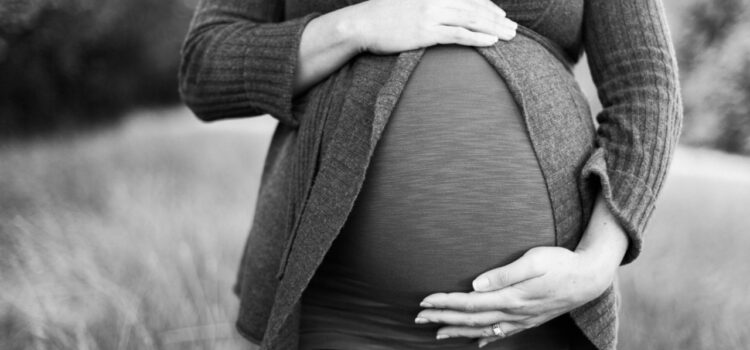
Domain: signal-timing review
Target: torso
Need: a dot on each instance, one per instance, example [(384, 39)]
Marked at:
[(453, 189)]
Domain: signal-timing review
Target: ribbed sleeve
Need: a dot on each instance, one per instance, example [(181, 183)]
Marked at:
[(632, 61), (239, 59)]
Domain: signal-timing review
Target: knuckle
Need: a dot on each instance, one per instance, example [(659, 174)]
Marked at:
[(474, 321), (470, 306), (515, 309), (456, 34), (444, 314), (533, 253), (536, 262), (526, 323), (427, 10), (514, 304), (498, 18), (534, 265)]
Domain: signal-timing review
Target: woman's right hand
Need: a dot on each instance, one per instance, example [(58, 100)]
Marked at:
[(392, 26)]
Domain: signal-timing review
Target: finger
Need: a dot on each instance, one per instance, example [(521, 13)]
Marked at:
[(506, 300), (460, 318), (491, 6), (462, 36), (477, 8), (521, 269), (478, 21), (486, 6), (508, 328)]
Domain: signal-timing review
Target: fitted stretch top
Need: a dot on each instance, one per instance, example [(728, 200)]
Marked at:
[(453, 189)]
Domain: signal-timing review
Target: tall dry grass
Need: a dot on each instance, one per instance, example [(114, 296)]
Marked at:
[(128, 239), (689, 288)]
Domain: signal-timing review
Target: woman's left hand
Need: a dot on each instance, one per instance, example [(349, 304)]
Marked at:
[(544, 283)]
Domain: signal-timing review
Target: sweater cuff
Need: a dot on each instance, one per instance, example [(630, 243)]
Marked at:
[(270, 66), (626, 196)]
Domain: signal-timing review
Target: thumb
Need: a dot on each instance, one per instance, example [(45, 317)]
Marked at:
[(504, 276)]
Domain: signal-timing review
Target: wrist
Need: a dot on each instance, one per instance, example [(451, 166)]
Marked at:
[(604, 253), (599, 262), (351, 28), (604, 242), (603, 259)]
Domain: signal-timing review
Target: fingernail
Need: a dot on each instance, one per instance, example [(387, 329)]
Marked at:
[(442, 336), (481, 283), (425, 304), (420, 320), (482, 343)]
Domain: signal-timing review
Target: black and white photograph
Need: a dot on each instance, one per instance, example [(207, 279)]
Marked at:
[(374, 174)]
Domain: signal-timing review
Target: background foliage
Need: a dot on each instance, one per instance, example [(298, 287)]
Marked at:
[(713, 44), (65, 64)]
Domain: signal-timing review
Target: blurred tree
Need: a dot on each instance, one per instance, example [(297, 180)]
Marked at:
[(710, 24), (66, 64), (714, 57)]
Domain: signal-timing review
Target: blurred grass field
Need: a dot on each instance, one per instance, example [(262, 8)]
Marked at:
[(130, 238)]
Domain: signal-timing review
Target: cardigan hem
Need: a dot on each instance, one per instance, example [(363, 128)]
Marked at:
[(606, 303), (245, 334), (625, 202)]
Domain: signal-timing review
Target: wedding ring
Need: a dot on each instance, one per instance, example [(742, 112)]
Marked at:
[(497, 330)]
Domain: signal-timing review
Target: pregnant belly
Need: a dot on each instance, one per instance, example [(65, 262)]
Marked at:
[(453, 189)]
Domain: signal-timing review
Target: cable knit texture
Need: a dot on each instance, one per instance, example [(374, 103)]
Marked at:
[(239, 60)]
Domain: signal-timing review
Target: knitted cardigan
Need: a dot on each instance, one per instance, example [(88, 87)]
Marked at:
[(240, 57)]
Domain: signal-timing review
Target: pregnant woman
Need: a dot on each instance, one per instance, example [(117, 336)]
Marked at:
[(435, 180)]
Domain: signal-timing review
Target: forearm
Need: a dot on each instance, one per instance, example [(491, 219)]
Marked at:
[(604, 241), (633, 64), (327, 43), (238, 60)]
